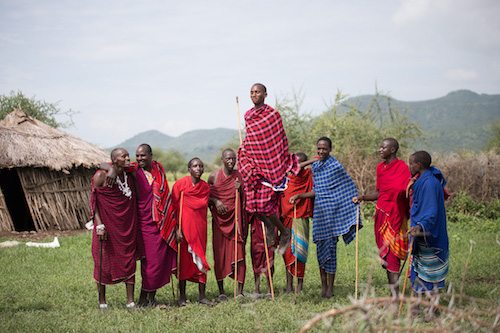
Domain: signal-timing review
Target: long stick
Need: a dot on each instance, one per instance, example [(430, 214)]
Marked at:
[(294, 235), (179, 243), (267, 260), (357, 256), (236, 208), (100, 262), (238, 117), (405, 278)]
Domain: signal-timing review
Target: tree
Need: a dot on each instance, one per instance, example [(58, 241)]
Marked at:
[(356, 134), (297, 124), (172, 161), (494, 142), (41, 110)]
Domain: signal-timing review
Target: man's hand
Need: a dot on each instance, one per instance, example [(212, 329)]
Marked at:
[(416, 231), (357, 199), (179, 235), (110, 177), (221, 208), (294, 199), (100, 231), (237, 185)]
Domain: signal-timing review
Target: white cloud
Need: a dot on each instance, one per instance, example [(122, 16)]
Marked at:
[(461, 74), (414, 10)]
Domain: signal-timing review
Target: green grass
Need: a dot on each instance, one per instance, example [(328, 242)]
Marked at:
[(47, 290)]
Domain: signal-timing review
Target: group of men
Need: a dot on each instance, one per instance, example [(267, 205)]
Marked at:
[(272, 195)]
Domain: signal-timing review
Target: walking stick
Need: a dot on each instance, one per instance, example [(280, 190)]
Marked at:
[(238, 117), (267, 260), (295, 245), (179, 242), (357, 255), (405, 279), (100, 263), (236, 207)]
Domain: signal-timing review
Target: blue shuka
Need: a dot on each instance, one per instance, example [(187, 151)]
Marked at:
[(429, 266), (334, 212)]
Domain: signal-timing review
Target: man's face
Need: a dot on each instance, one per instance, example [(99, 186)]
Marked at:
[(257, 94), (143, 157), (385, 150), (121, 159), (324, 149), (229, 160), (196, 169), (414, 166)]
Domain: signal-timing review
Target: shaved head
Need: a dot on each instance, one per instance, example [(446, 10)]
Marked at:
[(115, 152), (393, 142)]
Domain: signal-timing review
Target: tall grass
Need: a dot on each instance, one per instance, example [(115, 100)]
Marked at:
[(52, 290)]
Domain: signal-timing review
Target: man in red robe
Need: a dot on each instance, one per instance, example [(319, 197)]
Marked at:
[(264, 162), (158, 255), (391, 211), (226, 205), (114, 238), (190, 204), (295, 256)]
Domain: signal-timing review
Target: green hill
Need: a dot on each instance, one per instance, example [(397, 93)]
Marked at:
[(204, 143), (460, 120)]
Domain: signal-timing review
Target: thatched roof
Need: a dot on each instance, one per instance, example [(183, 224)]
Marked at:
[(27, 142)]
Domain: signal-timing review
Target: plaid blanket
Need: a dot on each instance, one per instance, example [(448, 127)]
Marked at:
[(334, 212), (264, 156)]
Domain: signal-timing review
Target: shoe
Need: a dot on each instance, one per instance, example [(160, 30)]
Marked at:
[(222, 298), (130, 305), (103, 306)]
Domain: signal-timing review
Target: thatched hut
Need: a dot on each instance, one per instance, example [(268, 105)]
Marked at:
[(44, 175)]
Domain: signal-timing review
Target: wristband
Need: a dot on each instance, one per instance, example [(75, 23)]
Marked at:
[(100, 227)]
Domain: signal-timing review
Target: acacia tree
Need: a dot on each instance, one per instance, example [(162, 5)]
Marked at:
[(41, 110)]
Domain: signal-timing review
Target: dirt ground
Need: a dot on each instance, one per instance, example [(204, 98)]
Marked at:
[(38, 236)]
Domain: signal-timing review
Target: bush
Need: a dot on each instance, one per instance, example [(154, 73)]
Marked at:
[(462, 207)]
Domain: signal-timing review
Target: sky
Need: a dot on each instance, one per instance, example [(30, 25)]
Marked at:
[(175, 66)]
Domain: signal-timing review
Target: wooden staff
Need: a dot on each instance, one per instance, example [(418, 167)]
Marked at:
[(238, 118), (267, 260), (236, 208), (357, 256), (295, 244), (179, 243), (405, 278)]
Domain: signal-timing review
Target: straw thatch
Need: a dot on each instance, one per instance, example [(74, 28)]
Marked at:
[(27, 142), (5, 220), (54, 170)]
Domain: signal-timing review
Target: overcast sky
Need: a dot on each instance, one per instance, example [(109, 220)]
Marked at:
[(174, 66)]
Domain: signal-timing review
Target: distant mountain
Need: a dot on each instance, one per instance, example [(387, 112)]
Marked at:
[(204, 143), (459, 120)]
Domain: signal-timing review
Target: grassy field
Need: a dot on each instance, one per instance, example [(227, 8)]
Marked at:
[(51, 290)]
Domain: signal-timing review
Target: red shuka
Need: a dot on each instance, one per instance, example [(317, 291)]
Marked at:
[(264, 155), (392, 210), (194, 227), (118, 214), (301, 183), (224, 190)]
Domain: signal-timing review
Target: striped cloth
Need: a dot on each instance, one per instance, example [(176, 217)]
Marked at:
[(264, 157), (334, 212), (300, 238), (428, 270)]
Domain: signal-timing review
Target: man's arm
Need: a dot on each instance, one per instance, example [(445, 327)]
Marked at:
[(295, 198), (373, 196)]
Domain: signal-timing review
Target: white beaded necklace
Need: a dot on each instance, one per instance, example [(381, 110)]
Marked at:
[(124, 186)]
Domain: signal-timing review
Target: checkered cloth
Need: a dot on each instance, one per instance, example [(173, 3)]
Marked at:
[(334, 212), (264, 156)]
